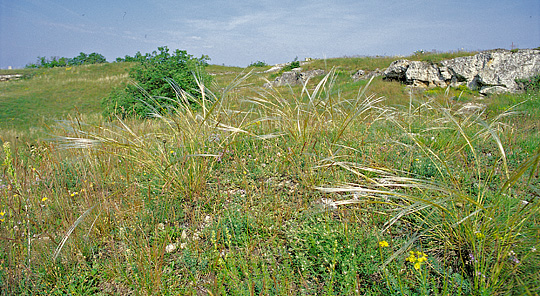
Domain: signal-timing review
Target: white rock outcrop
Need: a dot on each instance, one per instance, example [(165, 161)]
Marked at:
[(294, 77), (488, 72)]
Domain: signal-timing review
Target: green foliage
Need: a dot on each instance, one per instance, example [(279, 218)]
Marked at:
[(81, 59), (84, 59), (223, 199), (258, 64), (529, 85), (292, 65), (138, 57), (55, 93), (152, 75), (330, 253)]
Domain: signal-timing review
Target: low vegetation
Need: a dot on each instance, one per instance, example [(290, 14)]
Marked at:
[(335, 187)]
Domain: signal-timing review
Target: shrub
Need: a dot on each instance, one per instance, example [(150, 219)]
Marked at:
[(84, 59), (293, 65), (152, 75), (81, 59), (258, 64), (138, 57), (531, 84)]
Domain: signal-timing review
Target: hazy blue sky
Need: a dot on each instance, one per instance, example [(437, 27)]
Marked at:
[(238, 32)]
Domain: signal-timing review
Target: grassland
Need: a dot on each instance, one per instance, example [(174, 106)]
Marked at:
[(332, 188)]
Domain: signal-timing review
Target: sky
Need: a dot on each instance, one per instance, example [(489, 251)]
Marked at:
[(239, 32)]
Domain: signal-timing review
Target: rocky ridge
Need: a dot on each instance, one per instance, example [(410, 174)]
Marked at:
[(488, 72)]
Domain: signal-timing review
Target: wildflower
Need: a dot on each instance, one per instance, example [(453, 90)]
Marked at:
[(2, 218), (74, 193), (533, 249), (44, 199), (417, 258), (170, 248), (479, 235), (383, 244)]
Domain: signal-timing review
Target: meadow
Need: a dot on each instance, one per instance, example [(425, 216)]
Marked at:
[(335, 187)]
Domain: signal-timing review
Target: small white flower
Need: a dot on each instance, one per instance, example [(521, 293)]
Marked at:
[(170, 248)]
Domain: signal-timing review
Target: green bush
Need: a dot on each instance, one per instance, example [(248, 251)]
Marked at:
[(151, 75), (258, 64), (293, 65), (138, 57), (84, 59), (531, 84), (81, 59)]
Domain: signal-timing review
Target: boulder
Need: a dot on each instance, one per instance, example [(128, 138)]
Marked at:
[(397, 70), (488, 72), (358, 75), (498, 68), (364, 75), (425, 74), (294, 77)]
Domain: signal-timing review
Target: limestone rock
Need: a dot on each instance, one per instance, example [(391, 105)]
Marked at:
[(397, 70), (294, 77), (424, 74), (364, 75), (488, 72), (358, 75), (495, 68), (8, 77)]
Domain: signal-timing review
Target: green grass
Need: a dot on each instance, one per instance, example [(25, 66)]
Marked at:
[(280, 191), (53, 94)]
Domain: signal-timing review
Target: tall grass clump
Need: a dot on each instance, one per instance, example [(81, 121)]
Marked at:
[(452, 187), (315, 119), (180, 144)]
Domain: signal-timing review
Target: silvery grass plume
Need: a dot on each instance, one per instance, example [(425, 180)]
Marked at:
[(486, 221), (181, 141), (311, 112)]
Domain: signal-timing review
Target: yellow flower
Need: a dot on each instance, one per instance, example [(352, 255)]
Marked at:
[(2, 219), (417, 258), (479, 235), (411, 258), (383, 244), (44, 199)]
